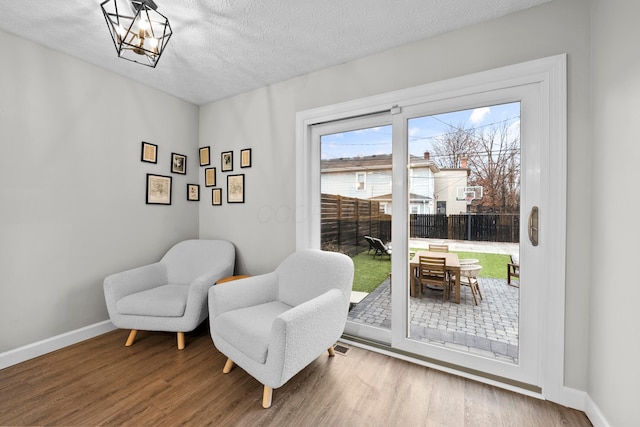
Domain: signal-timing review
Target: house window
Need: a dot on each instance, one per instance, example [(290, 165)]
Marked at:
[(361, 179)]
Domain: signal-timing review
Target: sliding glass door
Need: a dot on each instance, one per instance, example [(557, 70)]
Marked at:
[(452, 171)]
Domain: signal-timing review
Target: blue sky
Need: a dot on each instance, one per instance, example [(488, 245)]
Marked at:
[(423, 131)]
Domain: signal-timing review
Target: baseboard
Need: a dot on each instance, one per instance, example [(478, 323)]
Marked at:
[(30, 351), (570, 398), (594, 414)]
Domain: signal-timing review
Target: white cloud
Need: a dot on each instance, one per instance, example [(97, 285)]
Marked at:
[(414, 131), (478, 115)]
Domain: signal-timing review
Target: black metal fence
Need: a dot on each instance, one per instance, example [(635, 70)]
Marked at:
[(472, 227)]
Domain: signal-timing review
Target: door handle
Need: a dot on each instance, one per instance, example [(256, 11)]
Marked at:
[(533, 226)]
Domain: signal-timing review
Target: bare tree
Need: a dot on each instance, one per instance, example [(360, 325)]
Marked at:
[(495, 165), (450, 148), (493, 157)]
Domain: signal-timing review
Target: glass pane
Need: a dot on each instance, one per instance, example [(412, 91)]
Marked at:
[(464, 204), (356, 215)]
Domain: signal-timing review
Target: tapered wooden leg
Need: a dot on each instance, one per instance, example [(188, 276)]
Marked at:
[(266, 397), (227, 366), (132, 337), (180, 340), (332, 352)]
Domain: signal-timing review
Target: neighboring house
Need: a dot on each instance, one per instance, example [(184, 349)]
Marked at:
[(447, 184), (369, 177)]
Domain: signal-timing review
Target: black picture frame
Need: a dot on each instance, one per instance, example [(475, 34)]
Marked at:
[(149, 152), (245, 158), (210, 177), (226, 161), (193, 192), (178, 163), (216, 196), (235, 188), (158, 189), (205, 156)]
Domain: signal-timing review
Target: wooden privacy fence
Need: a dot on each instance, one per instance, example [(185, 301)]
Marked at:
[(346, 220)]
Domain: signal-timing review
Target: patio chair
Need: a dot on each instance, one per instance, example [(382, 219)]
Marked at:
[(381, 247), (372, 245), (469, 277), (438, 248), (513, 270), (432, 271)]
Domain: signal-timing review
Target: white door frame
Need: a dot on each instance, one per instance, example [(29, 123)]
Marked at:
[(550, 76)]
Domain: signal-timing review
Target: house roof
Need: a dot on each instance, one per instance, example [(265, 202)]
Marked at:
[(374, 162), (413, 197)]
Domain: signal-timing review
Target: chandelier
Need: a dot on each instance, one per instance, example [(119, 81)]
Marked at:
[(139, 32)]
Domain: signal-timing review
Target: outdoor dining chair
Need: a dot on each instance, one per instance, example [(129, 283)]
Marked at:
[(438, 248), (469, 277), (432, 272)]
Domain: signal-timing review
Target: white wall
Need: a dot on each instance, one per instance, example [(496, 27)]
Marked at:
[(264, 228), (72, 186), (614, 350)]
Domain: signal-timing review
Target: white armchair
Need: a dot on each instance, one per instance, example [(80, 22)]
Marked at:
[(275, 324), (170, 295)]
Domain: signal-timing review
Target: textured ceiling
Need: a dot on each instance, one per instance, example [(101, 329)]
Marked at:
[(224, 47)]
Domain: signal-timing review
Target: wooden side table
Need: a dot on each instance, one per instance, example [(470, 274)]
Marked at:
[(231, 278)]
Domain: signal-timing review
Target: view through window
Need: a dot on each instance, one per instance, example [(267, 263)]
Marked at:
[(464, 200)]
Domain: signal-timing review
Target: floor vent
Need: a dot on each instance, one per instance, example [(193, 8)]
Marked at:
[(340, 349)]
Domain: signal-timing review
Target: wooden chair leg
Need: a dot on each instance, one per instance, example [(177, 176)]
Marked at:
[(227, 366), (266, 397), (180, 340), (331, 351), (131, 338), (478, 290)]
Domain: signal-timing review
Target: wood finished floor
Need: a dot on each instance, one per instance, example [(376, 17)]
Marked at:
[(101, 382)]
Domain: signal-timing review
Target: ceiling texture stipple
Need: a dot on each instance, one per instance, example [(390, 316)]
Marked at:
[(226, 47)]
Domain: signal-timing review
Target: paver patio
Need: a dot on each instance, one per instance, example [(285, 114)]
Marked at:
[(489, 329)]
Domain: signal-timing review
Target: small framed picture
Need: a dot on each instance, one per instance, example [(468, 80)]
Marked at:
[(235, 188), (205, 158), (178, 163), (245, 158), (216, 196), (158, 189), (210, 177), (226, 160), (149, 152), (193, 192)]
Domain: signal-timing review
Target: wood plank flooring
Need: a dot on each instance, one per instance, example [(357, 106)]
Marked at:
[(152, 383)]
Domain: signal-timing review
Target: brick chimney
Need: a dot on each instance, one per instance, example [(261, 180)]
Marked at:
[(427, 155), (463, 163)]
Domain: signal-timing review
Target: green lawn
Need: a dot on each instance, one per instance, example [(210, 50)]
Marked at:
[(370, 272)]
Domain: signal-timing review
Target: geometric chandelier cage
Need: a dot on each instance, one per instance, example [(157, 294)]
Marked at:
[(139, 32)]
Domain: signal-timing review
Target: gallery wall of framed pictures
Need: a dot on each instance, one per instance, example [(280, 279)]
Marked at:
[(235, 182), (159, 187)]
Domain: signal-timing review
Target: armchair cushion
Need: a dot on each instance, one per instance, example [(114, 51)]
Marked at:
[(249, 328), (166, 301)]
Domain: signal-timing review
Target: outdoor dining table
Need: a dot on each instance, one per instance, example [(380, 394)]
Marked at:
[(452, 264)]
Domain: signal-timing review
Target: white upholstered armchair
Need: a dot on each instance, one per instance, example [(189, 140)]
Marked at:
[(275, 324), (170, 295)]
